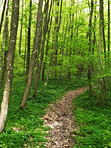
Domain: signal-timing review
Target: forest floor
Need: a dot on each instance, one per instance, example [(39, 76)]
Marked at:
[(60, 119)]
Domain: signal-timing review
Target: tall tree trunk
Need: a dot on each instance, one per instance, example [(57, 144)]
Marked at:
[(71, 35), (33, 57), (47, 48), (102, 23), (2, 17), (38, 58), (26, 40), (21, 29), (10, 60), (29, 38), (4, 46), (102, 81), (5, 38), (58, 23), (94, 38), (46, 22), (90, 48), (60, 75), (56, 40), (108, 32), (48, 72), (4, 69)]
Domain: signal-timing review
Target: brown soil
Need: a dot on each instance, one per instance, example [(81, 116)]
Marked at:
[(60, 119)]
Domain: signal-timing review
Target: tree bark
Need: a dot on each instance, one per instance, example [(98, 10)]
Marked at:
[(46, 22), (10, 61), (90, 48), (29, 38), (21, 29), (102, 25), (34, 55), (47, 48), (101, 28), (108, 32), (2, 17), (5, 39)]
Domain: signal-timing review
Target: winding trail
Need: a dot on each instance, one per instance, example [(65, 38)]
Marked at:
[(60, 119)]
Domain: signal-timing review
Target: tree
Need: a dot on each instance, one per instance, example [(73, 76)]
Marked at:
[(2, 17), (102, 25), (4, 46), (46, 22), (90, 48), (29, 38), (10, 61), (33, 57), (108, 30), (21, 28)]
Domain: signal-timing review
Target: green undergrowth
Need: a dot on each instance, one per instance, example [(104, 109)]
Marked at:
[(25, 128), (94, 122)]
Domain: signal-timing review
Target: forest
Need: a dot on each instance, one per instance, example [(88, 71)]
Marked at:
[(55, 74)]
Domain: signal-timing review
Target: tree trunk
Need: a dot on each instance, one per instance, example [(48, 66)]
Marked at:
[(102, 25), (46, 22), (58, 23), (2, 17), (47, 48), (21, 29), (108, 32), (60, 75), (101, 28), (90, 48), (38, 58), (10, 60), (34, 55), (4, 69), (94, 37), (48, 72), (26, 40), (29, 38), (5, 39)]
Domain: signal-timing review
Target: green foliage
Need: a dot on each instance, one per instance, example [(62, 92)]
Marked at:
[(94, 122)]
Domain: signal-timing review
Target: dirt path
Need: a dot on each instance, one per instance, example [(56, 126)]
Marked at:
[(59, 118)]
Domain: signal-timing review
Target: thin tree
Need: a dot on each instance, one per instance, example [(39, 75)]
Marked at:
[(47, 48), (108, 30), (10, 61), (102, 25), (34, 55), (4, 40), (102, 82), (71, 36), (29, 38), (90, 48), (94, 25), (2, 17), (21, 29), (46, 22), (56, 38)]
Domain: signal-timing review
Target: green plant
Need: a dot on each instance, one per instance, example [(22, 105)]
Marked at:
[(94, 122)]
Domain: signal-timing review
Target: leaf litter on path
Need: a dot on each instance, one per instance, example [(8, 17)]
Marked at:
[(60, 119)]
